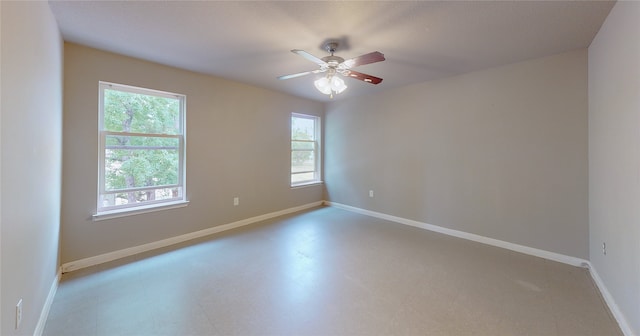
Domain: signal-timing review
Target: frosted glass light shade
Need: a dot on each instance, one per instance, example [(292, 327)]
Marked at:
[(323, 85), (328, 85), (337, 84)]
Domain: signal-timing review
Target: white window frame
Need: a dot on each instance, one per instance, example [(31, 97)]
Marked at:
[(317, 141), (106, 212)]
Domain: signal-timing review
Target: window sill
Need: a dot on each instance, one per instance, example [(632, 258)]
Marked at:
[(306, 184), (138, 210)]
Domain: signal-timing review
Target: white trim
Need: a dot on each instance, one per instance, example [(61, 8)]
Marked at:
[(44, 314), (131, 211), (140, 90), (613, 307), (103, 258), (102, 134), (143, 135), (573, 261), (306, 184), (317, 149), (565, 259)]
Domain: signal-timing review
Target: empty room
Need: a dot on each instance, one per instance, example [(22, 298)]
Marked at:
[(320, 168)]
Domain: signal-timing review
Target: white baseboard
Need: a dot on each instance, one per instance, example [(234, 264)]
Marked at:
[(103, 258), (44, 314), (469, 236), (87, 262), (613, 307), (622, 322)]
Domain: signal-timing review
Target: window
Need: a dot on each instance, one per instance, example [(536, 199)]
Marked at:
[(142, 148), (305, 149)]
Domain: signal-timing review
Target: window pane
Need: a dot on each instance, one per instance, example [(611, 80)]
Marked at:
[(304, 148), (302, 161), (302, 145), (303, 177), (139, 113), (136, 162), (302, 128), (142, 147), (134, 197)]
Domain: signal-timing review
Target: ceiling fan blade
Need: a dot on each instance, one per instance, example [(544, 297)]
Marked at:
[(309, 57), (363, 77), (300, 74), (369, 58)]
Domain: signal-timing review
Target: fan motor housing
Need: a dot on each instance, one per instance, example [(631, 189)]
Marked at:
[(333, 60)]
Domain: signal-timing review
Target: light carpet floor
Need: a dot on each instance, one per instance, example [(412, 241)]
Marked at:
[(328, 271)]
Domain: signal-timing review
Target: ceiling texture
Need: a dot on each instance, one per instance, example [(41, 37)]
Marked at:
[(251, 41)]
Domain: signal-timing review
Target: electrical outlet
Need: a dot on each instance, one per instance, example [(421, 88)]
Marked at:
[(236, 201), (370, 193), (18, 314), (604, 248)]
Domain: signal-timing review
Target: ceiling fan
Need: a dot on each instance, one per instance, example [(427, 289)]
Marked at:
[(333, 65)]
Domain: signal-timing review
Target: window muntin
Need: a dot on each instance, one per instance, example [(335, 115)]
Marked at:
[(305, 142), (141, 161)]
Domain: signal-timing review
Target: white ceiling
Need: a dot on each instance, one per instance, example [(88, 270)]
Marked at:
[(250, 42)]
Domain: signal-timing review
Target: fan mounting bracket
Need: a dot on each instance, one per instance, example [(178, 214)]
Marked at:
[(331, 47)]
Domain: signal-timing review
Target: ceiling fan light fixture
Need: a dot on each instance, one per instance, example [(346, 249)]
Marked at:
[(333, 65), (330, 85)]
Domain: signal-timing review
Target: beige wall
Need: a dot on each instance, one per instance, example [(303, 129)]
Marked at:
[(500, 153), (614, 157), (237, 145), (31, 139)]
